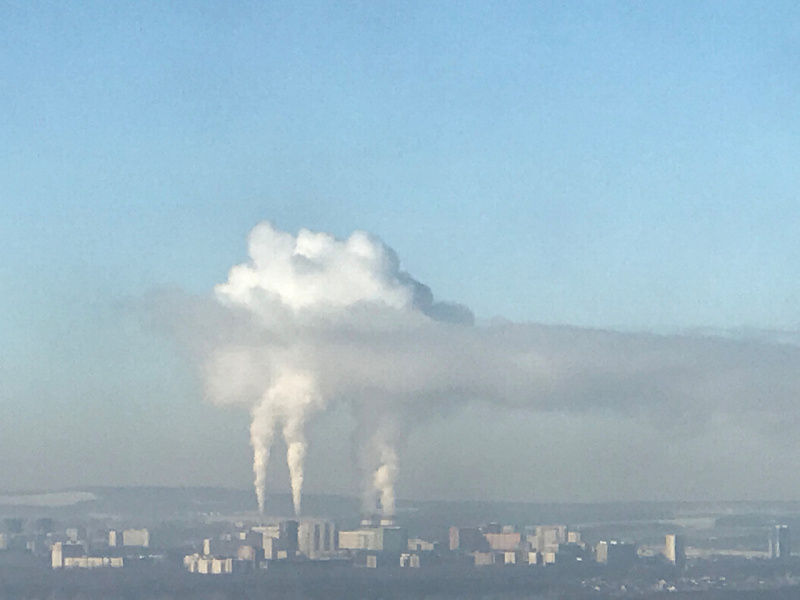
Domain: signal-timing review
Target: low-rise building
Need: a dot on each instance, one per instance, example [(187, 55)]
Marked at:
[(136, 537), (504, 541), (75, 556), (207, 565), (467, 539), (410, 561), (392, 540), (420, 545), (129, 537), (616, 554), (548, 537), (484, 559)]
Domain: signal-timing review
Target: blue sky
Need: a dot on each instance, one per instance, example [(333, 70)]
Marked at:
[(625, 164)]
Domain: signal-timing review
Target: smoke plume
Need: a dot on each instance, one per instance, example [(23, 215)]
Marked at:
[(297, 289), (312, 320)]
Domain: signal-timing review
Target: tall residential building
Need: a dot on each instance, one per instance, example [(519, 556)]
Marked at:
[(114, 538), (780, 545), (675, 550)]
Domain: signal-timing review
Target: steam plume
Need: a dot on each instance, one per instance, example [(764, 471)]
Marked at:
[(262, 430), (295, 288), (385, 478), (311, 320)]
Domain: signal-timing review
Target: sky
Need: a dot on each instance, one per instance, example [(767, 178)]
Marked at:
[(618, 166)]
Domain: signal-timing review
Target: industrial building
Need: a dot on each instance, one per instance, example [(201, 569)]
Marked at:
[(381, 546), (278, 542), (317, 538), (392, 540)]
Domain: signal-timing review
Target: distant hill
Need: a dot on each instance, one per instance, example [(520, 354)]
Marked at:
[(158, 504)]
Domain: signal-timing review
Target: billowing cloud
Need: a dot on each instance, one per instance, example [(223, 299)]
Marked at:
[(299, 290), (312, 320)]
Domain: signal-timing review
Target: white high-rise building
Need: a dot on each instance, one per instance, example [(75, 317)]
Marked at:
[(780, 546), (675, 549)]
